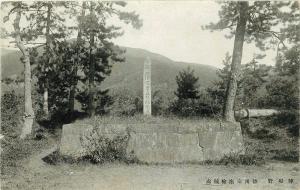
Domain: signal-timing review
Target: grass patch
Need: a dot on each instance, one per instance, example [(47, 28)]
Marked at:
[(285, 155), (272, 141), (139, 118), (15, 151), (55, 158), (236, 159), (263, 134)]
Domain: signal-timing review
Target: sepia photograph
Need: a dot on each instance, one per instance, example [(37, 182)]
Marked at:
[(150, 95)]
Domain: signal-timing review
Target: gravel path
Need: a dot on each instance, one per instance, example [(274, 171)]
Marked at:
[(38, 175)]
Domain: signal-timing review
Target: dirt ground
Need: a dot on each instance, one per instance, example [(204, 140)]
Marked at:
[(36, 174)]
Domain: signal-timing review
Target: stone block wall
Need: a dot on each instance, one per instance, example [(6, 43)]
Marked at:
[(163, 143)]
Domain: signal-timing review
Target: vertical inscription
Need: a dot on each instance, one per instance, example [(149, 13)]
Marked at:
[(147, 87)]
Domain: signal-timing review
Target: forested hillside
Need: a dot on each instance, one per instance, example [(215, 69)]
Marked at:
[(129, 73)]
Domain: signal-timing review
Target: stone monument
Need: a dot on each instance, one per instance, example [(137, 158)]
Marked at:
[(147, 87)]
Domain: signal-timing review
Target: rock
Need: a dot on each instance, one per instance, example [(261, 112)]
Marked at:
[(50, 156), (39, 134), (72, 143)]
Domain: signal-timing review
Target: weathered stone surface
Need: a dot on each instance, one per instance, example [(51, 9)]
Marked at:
[(163, 143), (152, 128), (165, 147), (169, 143), (117, 129), (147, 87), (27, 129), (71, 143), (221, 140)]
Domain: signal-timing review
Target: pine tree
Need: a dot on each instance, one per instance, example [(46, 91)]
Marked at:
[(255, 22), (76, 60), (187, 102), (187, 85), (283, 88), (99, 52), (218, 91), (61, 78), (254, 76), (19, 9), (47, 23)]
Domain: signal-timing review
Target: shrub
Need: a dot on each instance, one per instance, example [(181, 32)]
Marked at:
[(252, 159), (195, 107), (236, 159), (100, 149), (286, 155), (102, 100), (263, 134), (282, 93), (290, 120), (188, 102), (261, 127), (11, 114), (159, 103), (126, 103), (184, 107)]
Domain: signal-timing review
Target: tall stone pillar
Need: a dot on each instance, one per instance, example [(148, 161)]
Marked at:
[(147, 87)]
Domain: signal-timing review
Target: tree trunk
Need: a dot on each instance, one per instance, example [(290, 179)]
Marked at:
[(46, 86), (72, 98), (45, 101), (91, 101), (29, 113), (73, 88), (76, 64), (228, 113), (91, 107)]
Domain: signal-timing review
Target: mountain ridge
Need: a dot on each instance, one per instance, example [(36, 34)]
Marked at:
[(128, 74)]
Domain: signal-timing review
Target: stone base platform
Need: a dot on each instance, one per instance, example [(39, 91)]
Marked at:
[(162, 143)]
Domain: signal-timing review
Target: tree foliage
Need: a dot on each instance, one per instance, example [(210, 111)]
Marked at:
[(263, 19), (189, 101), (283, 89), (187, 85), (259, 22), (252, 80), (60, 62), (99, 52), (254, 77)]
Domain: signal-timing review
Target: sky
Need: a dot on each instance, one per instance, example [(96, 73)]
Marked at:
[(174, 29)]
